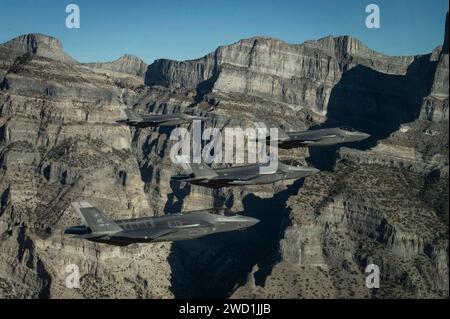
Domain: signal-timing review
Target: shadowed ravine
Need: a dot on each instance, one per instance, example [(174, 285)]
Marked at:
[(386, 100), (211, 267)]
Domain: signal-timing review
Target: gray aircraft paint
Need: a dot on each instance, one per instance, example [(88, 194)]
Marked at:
[(320, 137), (174, 227), (203, 175), (172, 119)]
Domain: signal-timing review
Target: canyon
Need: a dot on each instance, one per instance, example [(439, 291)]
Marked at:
[(383, 201)]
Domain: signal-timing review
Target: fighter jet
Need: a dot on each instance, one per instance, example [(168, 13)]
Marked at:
[(201, 174), (174, 227), (172, 119), (320, 137)]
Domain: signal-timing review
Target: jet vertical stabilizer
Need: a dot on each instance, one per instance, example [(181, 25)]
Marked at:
[(131, 116), (95, 219), (202, 171)]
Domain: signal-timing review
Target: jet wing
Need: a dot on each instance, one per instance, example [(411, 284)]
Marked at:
[(242, 178), (84, 236), (150, 233), (156, 121), (224, 179), (193, 179), (311, 139), (159, 233), (166, 121), (246, 178)]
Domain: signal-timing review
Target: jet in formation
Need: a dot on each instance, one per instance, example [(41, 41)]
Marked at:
[(172, 119), (97, 227), (203, 175), (319, 137)]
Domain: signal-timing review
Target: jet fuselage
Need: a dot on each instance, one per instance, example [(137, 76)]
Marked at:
[(247, 175), (172, 227), (321, 137), (156, 120)]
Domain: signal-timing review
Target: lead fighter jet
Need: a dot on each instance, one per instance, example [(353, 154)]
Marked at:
[(172, 119), (201, 174), (174, 227), (320, 137)]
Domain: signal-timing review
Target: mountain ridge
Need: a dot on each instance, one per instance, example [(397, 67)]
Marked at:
[(34, 40)]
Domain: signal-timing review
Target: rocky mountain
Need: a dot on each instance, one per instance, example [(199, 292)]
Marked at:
[(384, 201), (299, 75), (127, 63), (39, 45)]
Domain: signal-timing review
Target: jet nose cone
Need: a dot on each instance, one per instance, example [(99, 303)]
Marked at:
[(246, 221), (365, 136), (313, 170), (252, 221)]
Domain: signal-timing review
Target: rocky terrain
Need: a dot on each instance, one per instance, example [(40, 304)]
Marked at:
[(383, 201)]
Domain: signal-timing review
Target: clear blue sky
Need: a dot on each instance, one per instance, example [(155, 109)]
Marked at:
[(186, 29)]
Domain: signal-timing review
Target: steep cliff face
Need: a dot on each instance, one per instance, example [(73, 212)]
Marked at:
[(300, 75), (435, 107), (259, 66), (59, 144)]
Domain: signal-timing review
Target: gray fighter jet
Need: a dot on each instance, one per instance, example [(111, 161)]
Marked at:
[(201, 174), (320, 137), (172, 119), (174, 227)]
